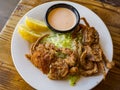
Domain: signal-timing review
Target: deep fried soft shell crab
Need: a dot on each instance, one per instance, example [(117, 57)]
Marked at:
[(87, 59)]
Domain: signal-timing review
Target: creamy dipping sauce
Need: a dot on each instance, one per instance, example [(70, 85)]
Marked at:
[(62, 19)]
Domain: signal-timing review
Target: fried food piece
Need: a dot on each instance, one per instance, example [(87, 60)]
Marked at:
[(90, 35), (71, 60), (34, 45), (85, 21), (93, 53), (42, 58), (74, 70), (92, 60), (97, 52), (42, 55), (71, 57), (58, 70), (85, 63), (90, 72), (108, 64), (101, 68)]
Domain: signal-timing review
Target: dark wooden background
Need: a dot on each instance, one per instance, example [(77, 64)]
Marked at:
[(9, 77)]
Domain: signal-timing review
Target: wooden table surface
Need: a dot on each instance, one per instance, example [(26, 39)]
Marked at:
[(9, 77)]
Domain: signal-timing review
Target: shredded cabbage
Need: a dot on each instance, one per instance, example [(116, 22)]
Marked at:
[(61, 40), (73, 79)]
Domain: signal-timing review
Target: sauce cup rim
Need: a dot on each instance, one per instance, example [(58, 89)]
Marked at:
[(62, 5)]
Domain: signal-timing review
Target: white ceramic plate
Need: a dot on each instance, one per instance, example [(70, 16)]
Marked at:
[(33, 76)]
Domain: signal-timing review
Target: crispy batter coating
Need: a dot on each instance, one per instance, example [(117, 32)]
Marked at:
[(92, 59), (58, 70), (87, 59)]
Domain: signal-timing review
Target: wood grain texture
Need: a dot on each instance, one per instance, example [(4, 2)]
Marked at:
[(9, 77)]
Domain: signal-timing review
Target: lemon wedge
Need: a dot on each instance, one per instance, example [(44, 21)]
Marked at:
[(36, 25), (28, 34)]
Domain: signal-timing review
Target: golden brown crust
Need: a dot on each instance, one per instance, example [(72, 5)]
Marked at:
[(87, 59)]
